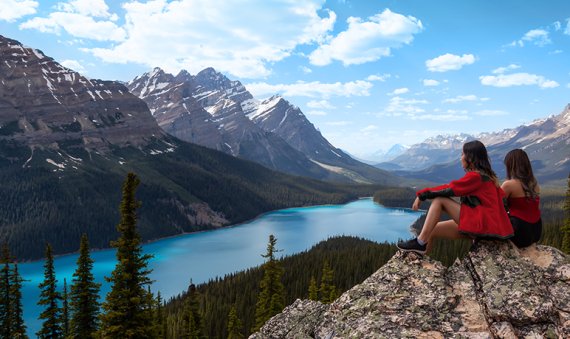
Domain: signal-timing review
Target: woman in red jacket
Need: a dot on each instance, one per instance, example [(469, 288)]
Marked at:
[(481, 213), (522, 191)]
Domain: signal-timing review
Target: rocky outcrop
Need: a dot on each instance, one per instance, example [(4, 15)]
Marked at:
[(496, 291)]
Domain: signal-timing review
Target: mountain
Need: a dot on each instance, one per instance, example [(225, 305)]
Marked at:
[(383, 156), (434, 150), (496, 291), (213, 111), (546, 141), (67, 142)]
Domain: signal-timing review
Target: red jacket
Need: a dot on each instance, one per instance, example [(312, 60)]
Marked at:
[(482, 212)]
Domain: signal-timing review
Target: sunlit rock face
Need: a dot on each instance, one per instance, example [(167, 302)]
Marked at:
[(496, 291)]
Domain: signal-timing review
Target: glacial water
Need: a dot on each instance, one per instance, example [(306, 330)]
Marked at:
[(205, 255)]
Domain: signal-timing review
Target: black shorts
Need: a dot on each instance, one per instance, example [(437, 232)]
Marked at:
[(526, 233)]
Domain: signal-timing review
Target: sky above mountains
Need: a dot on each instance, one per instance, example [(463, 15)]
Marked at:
[(368, 74)]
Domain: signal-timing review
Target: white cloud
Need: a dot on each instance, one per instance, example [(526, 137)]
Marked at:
[(306, 70), (462, 98), (312, 89), (74, 65), (321, 113), (399, 91), (366, 41), (381, 78), (449, 62), (94, 8), (441, 117), (557, 25), (556, 51), (322, 104), (490, 113), (502, 70), (15, 9), (430, 82), (399, 106), (517, 79), (233, 36), (369, 128), (538, 37), (77, 18), (567, 30)]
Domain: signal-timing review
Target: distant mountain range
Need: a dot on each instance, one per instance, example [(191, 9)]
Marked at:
[(213, 111), (546, 141), (67, 142)]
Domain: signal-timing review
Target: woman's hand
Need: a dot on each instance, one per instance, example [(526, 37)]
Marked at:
[(416, 204)]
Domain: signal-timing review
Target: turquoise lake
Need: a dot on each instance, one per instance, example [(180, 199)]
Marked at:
[(206, 255)]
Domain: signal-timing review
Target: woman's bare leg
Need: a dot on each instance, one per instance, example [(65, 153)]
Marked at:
[(446, 230), (450, 206)]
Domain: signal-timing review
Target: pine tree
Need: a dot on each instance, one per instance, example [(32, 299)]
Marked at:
[(18, 326), (5, 297), (49, 298), (125, 314), (65, 310), (271, 298), (566, 226), (327, 289), (193, 317), (234, 324), (84, 295), (160, 322), (313, 290)]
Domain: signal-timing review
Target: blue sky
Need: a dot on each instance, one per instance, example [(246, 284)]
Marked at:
[(368, 74)]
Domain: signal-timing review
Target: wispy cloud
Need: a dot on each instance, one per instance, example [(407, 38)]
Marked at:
[(449, 62), (366, 41), (319, 113), (539, 37), (398, 106), (236, 37), (489, 113), (399, 91), (381, 78), (306, 69), (89, 19), (430, 82), (441, 117), (502, 70), (517, 79), (339, 123), (314, 89), (369, 128), (567, 29), (16, 9), (462, 98), (322, 104)]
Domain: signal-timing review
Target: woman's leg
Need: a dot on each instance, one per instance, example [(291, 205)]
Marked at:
[(450, 206), (446, 230)]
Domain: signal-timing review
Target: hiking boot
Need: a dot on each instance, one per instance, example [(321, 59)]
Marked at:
[(412, 245)]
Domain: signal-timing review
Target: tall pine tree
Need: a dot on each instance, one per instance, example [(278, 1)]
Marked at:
[(126, 315), (234, 324), (84, 296), (49, 298), (327, 289), (193, 320), (566, 226), (5, 297), (271, 298), (18, 326), (313, 290), (65, 310)]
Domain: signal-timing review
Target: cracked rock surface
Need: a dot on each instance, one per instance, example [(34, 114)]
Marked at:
[(496, 291)]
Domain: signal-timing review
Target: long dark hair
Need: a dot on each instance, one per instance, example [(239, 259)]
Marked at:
[(478, 160), (518, 167)]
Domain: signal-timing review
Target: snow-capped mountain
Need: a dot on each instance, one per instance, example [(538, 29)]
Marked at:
[(44, 104), (434, 150), (211, 110), (546, 141)]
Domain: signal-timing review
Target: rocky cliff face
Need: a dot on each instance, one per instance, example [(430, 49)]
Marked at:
[(43, 104), (496, 291)]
